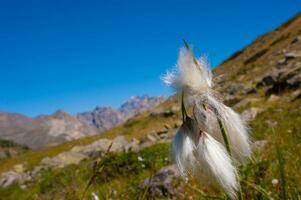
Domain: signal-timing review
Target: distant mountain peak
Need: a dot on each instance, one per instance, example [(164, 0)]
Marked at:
[(105, 118)]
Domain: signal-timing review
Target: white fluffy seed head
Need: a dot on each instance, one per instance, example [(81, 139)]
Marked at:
[(235, 126), (216, 164), (184, 145), (190, 75)]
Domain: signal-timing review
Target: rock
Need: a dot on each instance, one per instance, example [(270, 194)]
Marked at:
[(162, 183), (296, 95), (63, 159), (119, 144), (273, 98), (99, 145), (133, 145), (269, 79), (246, 102), (151, 138), (11, 177), (234, 88), (67, 158), (251, 113), (295, 81), (259, 145), (37, 170), (292, 55)]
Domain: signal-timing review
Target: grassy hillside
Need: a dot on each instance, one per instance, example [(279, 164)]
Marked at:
[(273, 172)]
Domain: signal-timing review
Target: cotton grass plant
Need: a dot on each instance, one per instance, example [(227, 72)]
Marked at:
[(213, 140)]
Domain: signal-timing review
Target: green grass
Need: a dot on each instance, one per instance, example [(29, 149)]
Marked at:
[(137, 127), (122, 172)]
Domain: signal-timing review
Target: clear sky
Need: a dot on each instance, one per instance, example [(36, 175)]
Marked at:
[(75, 55)]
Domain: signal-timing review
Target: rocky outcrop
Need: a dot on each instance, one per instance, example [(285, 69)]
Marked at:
[(285, 75)]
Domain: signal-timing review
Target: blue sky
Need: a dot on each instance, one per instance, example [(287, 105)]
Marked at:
[(75, 55)]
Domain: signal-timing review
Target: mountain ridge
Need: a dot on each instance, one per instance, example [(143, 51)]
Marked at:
[(60, 126)]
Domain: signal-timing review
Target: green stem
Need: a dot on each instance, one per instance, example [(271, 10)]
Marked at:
[(183, 110), (259, 189), (225, 137), (227, 144)]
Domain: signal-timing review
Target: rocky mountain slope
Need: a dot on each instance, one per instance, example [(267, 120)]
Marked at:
[(50, 130), (42, 131), (105, 118), (262, 82)]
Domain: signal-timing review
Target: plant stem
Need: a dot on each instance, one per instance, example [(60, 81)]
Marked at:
[(183, 110), (225, 137), (259, 189), (227, 144)]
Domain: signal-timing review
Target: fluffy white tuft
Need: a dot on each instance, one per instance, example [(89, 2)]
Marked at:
[(235, 126), (183, 147), (191, 75), (216, 163)]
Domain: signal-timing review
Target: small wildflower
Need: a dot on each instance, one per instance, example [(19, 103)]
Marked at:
[(140, 159), (275, 181), (94, 196)]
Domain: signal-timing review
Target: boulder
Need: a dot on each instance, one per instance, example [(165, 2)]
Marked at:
[(234, 88), (273, 97), (269, 79), (295, 81), (133, 145), (11, 177), (292, 55), (119, 144), (162, 184)]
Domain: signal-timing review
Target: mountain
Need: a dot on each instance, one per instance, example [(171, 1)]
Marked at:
[(105, 118), (261, 81), (49, 130), (42, 131)]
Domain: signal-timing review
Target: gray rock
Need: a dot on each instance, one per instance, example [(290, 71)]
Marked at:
[(133, 145), (292, 55), (162, 183), (273, 98), (269, 79), (250, 114), (119, 144), (295, 80), (234, 88), (11, 177)]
